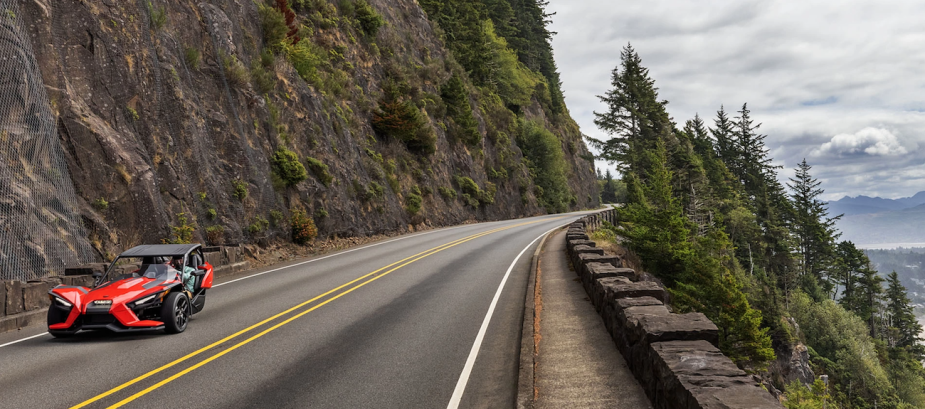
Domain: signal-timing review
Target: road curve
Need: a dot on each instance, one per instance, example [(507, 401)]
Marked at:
[(390, 325)]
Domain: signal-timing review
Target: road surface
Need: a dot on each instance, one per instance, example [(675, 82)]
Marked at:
[(426, 320)]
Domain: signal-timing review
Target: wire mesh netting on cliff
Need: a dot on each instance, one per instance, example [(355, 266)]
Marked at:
[(40, 228)]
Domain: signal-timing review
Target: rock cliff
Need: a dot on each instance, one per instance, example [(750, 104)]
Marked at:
[(175, 120)]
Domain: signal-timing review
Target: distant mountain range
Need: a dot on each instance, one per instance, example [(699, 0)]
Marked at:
[(874, 220)]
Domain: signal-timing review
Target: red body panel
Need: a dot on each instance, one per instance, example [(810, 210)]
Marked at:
[(207, 279), (120, 292)]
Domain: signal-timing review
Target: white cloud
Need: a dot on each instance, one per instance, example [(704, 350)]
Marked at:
[(808, 70), (869, 141)]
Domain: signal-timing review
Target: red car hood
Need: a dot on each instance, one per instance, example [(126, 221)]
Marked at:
[(119, 291)]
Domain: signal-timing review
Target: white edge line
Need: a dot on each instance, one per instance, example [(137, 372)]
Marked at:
[(24, 339), (474, 352)]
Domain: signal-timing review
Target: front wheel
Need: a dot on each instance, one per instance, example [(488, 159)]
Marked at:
[(175, 312)]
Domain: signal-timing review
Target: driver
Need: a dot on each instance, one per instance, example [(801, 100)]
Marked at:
[(186, 273)]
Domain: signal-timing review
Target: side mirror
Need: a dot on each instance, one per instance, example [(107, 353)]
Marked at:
[(97, 274)]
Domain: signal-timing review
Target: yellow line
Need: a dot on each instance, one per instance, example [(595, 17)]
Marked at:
[(248, 329), (266, 331)]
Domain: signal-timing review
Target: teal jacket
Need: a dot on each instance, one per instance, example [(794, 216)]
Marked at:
[(189, 280)]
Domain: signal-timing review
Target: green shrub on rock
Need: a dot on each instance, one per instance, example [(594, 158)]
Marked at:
[(447, 192), (320, 170), (413, 203), (287, 167), (370, 20)]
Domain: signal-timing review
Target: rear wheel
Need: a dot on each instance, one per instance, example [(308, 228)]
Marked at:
[(175, 312)]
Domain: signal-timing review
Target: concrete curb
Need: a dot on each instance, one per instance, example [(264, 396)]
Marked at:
[(525, 382), (21, 320)]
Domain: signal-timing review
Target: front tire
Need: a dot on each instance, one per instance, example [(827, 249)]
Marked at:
[(176, 313)]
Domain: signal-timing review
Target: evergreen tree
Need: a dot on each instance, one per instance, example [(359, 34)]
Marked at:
[(901, 317), (867, 294), (724, 135), (753, 161), (814, 232), (635, 118), (609, 189)]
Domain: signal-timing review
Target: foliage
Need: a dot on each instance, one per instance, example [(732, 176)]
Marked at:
[(192, 57), (239, 189), (273, 23), (258, 225), (398, 117), (456, 97), (287, 167), (375, 190), (211, 214), (182, 232), (706, 213), (842, 339), (320, 170), (276, 218), (303, 228), (307, 58), (543, 153), (262, 74), (612, 191), (370, 20), (413, 203), (814, 232), (447, 192), (215, 235), (158, 16), (235, 73), (468, 186), (478, 35), (803, 397), (101, 204), (903, 329)]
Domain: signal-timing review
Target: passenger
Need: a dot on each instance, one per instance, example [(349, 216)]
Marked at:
[(186, 273)]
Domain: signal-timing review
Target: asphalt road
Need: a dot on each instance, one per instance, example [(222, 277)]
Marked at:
[(387, 325)]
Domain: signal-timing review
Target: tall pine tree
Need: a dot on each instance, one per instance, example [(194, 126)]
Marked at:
[(635, 119), (814, 233)]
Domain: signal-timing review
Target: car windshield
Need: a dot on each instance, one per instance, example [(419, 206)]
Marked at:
[(158, 272), (155, 268)]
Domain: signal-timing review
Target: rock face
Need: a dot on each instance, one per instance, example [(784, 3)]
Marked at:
[(156, 112)]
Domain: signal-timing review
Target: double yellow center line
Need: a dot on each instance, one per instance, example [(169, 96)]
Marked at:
[(370, 277)]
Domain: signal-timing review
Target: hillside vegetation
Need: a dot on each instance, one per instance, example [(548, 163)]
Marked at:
[(282, 121), (706, 214)]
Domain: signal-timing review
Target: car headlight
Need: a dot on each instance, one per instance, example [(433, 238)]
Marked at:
[(60, 301), (146, 299)]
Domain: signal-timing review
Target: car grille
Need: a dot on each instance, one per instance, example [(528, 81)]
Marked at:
[(99, 319)]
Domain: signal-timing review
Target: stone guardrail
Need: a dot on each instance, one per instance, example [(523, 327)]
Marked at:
[(674, 356), (26, 303)]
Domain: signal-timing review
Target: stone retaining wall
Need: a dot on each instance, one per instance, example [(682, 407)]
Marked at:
[(674, 356)]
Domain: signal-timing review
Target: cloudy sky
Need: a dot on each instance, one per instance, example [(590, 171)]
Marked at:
[(839, 83)]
